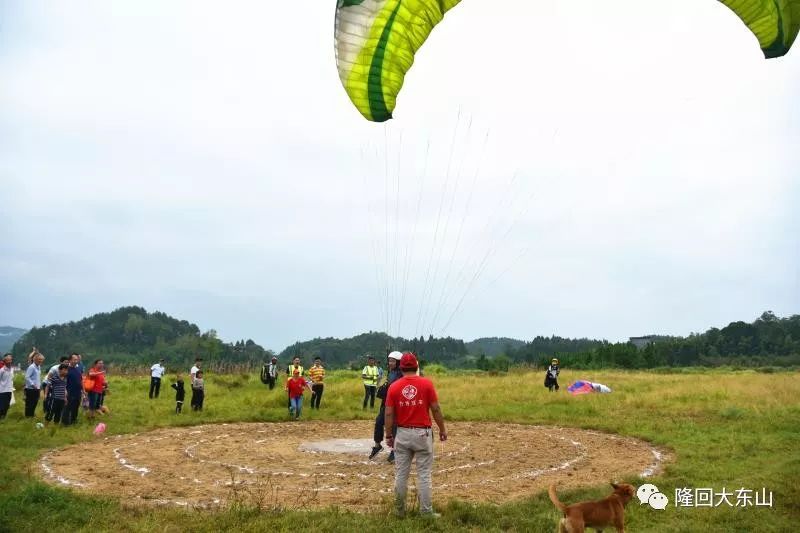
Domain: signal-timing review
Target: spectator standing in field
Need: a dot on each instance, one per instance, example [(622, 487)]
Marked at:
[(75, 391), (369, 375), (97, 385), (57, 386), (409, 402), (6, 384), (180, 394), (394, 373), (198, 362), (33, 384), (198, 391), (157, 371), (80, 364), (295, 387), (317, 375)]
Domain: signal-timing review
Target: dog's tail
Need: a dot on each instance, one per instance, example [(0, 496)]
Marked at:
[(554, 498)]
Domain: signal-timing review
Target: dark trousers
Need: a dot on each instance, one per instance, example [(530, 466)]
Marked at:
[(377, 435), (31, 401), (5, 403), (56, 412), (178, 406), (316, 394), (47, 405), (369, 394), (70, 415), (197, 399), (155, 387), (271, 382)]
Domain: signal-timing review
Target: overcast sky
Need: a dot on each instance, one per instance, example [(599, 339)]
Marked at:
[(572, 168)]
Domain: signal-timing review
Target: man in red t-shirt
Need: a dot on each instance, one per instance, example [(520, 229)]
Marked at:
[(409, 403)]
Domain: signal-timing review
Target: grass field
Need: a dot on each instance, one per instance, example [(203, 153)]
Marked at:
[(726, 429)]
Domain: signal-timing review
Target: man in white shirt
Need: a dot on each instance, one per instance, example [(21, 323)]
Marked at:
[(156, 372), (197, 362), (33, 384), (6, 384)]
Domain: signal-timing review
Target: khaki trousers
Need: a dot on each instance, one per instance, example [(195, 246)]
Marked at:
[(409, 444)]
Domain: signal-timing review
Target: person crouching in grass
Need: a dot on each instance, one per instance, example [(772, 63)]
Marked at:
[(198, 391), (295, 386)]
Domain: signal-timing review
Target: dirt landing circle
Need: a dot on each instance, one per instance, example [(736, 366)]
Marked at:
[(317, 464)]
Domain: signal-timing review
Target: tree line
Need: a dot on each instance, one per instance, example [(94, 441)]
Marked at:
[(133, 336), (767, 341), (352, 352)]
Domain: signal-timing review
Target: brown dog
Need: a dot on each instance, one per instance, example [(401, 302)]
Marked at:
[(608, 512)]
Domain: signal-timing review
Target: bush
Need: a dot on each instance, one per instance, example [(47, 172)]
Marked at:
[(434, 369)]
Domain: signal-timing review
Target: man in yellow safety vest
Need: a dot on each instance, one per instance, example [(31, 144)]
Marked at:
[(290, 370), (369, 376)]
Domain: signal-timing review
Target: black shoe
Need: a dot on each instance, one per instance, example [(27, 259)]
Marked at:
[(375, 451), (391, 457)]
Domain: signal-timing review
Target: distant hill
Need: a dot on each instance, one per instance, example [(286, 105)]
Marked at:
[(8, 336), (493, 346), (135, 336), (351, 352), (132, 335)]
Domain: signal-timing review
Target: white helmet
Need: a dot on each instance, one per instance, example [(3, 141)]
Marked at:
[(396, 355)]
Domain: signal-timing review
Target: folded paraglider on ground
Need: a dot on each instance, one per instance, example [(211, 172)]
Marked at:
[(585, 387)]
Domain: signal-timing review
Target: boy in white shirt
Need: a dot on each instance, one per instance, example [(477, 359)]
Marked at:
[(195, 369)]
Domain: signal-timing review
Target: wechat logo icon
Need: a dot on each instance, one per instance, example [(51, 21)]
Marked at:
[(650, 495)]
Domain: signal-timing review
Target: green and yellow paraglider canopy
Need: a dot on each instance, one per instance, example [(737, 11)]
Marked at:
[(376, 41)]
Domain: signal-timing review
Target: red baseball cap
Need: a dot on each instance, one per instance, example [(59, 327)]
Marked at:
[(408, 361)]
